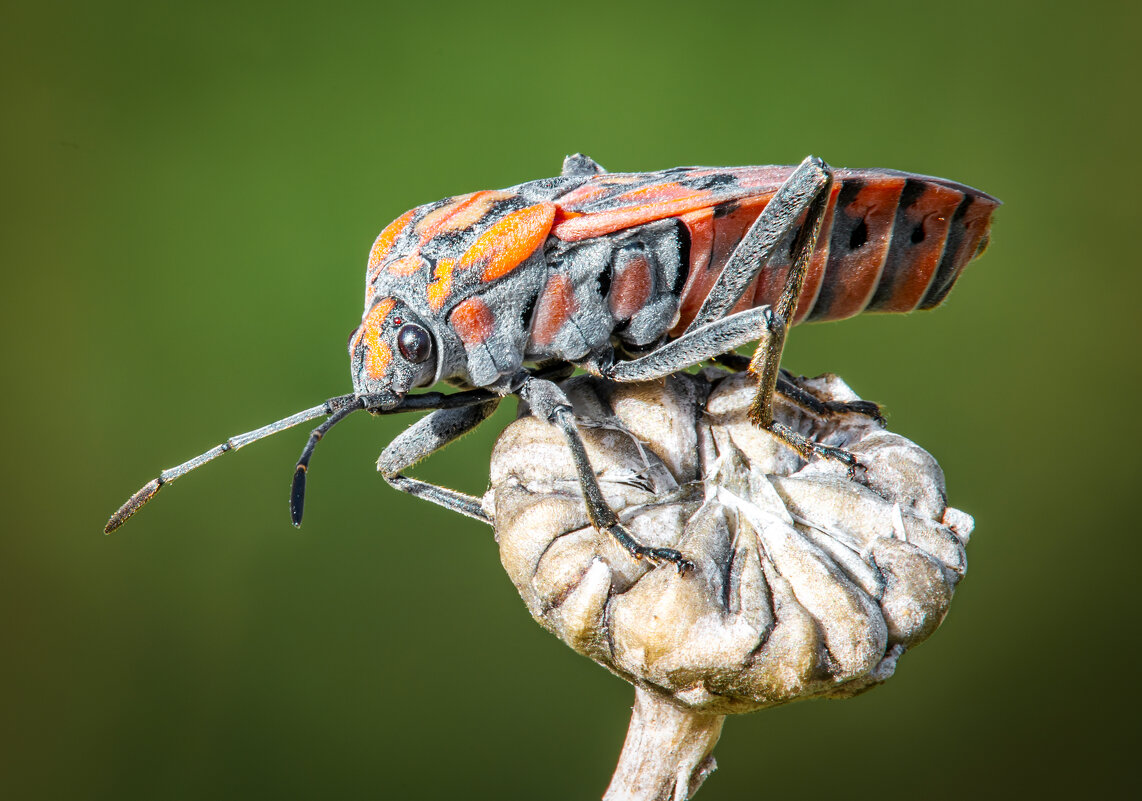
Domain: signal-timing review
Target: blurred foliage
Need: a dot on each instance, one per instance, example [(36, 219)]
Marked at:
[(189, 193)]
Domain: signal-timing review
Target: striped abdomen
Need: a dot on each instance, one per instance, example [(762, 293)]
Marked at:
[(890, 242)]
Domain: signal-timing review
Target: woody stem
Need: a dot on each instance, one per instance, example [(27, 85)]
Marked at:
[(667, 753)]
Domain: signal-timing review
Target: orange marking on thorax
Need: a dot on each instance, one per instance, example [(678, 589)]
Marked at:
[(439, 289), (384, 243), (430, 223), (463, 212), (510, 241), (471, 211), (554, 309), (473, 321), (378, 354), (406, 266)]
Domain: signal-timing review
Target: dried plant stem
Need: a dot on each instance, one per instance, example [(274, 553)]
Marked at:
[(668, 751)]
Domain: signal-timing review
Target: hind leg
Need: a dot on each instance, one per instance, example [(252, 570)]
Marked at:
[(804, 194), (791, 388), (766, 361)]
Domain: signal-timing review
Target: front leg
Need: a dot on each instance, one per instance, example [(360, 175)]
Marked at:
[(339, 408), (455, 415), (548, 402), (806, 192), (426, 436)]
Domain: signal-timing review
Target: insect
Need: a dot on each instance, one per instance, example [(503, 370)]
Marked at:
[(631, 277)]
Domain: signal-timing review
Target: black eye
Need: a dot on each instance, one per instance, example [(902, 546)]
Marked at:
[(414, 343)]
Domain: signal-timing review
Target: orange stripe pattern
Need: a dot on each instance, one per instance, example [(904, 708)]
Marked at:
[(509, 242)]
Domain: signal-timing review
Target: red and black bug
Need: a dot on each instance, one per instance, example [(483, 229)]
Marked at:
[(630, 276)]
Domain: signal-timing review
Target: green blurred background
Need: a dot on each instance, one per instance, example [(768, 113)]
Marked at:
[(189, 193)]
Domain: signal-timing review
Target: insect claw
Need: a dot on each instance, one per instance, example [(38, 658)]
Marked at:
[(680, 562), (861, 407), (656, 556)]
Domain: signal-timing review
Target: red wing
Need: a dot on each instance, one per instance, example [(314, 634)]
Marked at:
[(616, 201)]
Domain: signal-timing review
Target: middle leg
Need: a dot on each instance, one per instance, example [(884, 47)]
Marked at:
[(548, 402)]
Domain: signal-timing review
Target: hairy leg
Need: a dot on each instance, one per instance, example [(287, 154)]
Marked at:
[(423, 438), (548, 402)]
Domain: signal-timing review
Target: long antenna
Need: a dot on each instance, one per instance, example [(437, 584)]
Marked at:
[(334, 406)]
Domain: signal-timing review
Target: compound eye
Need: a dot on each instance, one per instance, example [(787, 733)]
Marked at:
[(414, 343)]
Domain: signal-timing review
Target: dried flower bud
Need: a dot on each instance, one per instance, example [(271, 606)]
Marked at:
[(807, 582)]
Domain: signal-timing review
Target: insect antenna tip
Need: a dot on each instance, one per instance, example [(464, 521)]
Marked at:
[(297, 495), (124, 512)]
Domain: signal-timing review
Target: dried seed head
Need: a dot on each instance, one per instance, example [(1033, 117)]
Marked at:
[(808, 583)]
